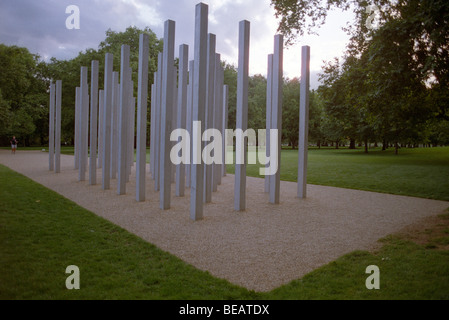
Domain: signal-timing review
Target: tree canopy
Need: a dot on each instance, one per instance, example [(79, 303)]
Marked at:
[(22, 93), (392, 85), (25, 81)]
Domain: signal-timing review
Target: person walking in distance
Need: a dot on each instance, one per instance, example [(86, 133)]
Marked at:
[(13, 144)]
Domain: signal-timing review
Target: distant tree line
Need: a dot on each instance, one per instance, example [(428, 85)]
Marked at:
[(390, 89), (23, 98), (392, 85), (25, 81)]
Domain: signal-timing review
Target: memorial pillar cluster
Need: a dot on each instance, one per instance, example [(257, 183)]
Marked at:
[(180, 98), (192, 99)]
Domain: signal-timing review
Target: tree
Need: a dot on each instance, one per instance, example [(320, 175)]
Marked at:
[(316, 116), (332, 129), (422, 23), (21, 123), (230, 79), (389, 72), (23, 93), (396, 91), (257, 92), (290, 111), (5, 116), (340, 101), (69, 70), (438, 132), (299, 16), (114, 41)]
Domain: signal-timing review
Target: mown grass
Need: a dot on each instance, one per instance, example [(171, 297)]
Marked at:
[(420, 172), (408, 271), (41, 233)]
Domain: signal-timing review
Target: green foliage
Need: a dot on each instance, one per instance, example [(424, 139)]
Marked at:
[(230, 79), (22, 122), (5, 116), (114, 40), (257, 89), (316, 118), (290, 112), (112, 44), (394, 78), (22, 94), (344, 98), (438, 131), (297, 17), (396, 92), (257, 93), (69, 70), (25, 81), (392, 86), (17, 68)]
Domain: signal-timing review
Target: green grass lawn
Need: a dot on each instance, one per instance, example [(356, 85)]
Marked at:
[(420, 172), (41, 233)]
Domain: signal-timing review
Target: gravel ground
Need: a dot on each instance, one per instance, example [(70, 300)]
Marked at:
[(261, 248)]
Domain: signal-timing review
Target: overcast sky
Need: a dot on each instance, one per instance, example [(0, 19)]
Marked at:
[(40, 25)]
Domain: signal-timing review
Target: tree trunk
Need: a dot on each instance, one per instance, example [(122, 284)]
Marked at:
[(336, 144), (352, 143), (319, 144), (384, 144), (41, 139), (396, 148), (366, 145)]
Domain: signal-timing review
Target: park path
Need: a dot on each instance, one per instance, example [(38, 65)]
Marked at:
[(260, 249)]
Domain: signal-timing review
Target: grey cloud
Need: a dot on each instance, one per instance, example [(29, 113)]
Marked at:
[(40, 25)]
